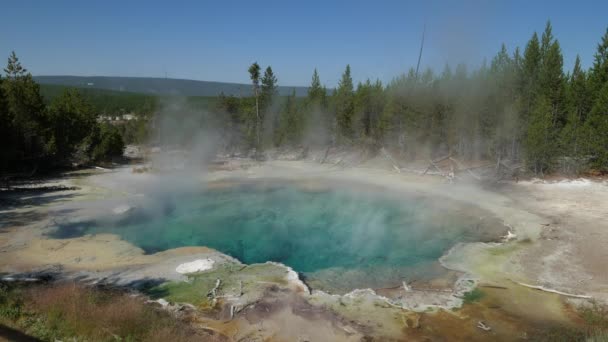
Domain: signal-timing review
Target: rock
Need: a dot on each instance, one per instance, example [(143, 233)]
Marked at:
[(121, 209), (481, 325), (198, 265)]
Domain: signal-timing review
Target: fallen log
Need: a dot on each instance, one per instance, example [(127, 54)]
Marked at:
[(476, 167), (460, 165), (542, 288), (326, 154), (439, 160), (492, 286), (390, 159), (432, 163)]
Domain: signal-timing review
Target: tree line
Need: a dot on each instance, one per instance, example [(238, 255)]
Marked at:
[(39, 136), (521, 106)]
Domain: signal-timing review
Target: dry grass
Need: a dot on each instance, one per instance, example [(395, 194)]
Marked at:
[(70, 311), (593, 327)]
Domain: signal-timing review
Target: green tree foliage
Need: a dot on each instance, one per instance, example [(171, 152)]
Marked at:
[(25, 113), (37, 136), (598, 75), (544, 109), (345, 107), (254, 74), (318, 121), (596, 129), (270, 118), (519, 106), (269, 88), (529, 75), (540, 148), (369, 105), (6, 133), (316, 92), (573, 135), (107, 142), (70, 121), (551, 76), (229, 108), (291, 123)]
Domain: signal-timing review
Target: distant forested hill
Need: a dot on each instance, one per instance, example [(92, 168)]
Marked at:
[(159, 86)]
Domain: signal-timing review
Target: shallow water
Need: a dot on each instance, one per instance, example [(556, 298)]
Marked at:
[(339, 239)]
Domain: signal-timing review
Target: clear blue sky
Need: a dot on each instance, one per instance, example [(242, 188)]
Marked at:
[(217, 40)]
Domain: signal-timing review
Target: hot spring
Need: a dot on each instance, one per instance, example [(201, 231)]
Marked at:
[(338, 238)]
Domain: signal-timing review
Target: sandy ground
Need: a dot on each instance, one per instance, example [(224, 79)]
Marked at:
[(571, 253), (561, 231)]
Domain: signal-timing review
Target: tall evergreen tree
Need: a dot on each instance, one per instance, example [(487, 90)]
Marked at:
[(318, 119), (70, 121), (6, 131), (529, 74), (596, 128), (291, 122), (269, 112), (551, 77), (25, 109), (540, 136), (254, 74), (269, 88), (344, 102), (598, 75), (316, 93), (546, 39), (572, 135)]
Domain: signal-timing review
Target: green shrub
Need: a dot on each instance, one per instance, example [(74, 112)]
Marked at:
[(108, 144), (473, 296)]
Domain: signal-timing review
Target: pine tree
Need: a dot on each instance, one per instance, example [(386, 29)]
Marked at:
[(25, 109), (14, 70), (596, 127), (578, 106), (529, 75), (254, 74), (70, 121), (540, 148), (344, 101), (6, 132), (598, 75), (269, 112), (269, 89), (362, 108), (316, 93), (551, 77), (291, 122), (546, 40), (318, 119)]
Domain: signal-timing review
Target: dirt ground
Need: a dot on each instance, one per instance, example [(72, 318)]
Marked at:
[(571, 252)]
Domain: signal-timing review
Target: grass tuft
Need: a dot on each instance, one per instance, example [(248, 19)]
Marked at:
[(473, 296)]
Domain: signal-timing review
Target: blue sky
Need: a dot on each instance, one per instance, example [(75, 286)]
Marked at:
[(217, 40)]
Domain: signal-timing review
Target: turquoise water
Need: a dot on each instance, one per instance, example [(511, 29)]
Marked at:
[(330, 236)]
